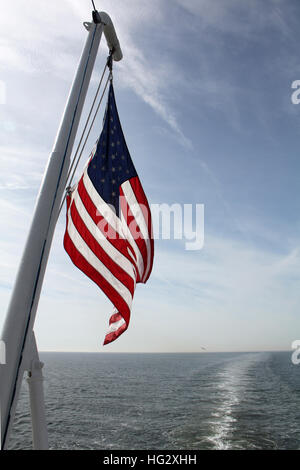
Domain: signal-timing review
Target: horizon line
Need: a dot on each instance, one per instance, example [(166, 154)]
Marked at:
[(167, 352)]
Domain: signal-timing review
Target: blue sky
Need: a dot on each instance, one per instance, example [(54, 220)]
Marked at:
[(204, 97)]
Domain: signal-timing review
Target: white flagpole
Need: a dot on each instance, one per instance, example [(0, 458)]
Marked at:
[(36, 393), (18, 327)]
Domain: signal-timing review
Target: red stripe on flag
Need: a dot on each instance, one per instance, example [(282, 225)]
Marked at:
[(115, 334), (145, 208), (134, 229)]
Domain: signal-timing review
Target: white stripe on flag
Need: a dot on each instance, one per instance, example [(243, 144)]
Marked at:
[(115, 326)]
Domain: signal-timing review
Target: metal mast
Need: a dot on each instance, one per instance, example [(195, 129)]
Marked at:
[(17, 335)]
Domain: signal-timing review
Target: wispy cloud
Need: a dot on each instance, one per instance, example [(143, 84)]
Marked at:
[(147, 76)]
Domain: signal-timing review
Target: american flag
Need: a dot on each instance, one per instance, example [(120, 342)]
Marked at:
[(109, 230)]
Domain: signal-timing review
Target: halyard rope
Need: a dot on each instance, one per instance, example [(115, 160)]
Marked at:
[(77, 156)]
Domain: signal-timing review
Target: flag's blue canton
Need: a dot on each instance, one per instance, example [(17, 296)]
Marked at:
[(111, 165)]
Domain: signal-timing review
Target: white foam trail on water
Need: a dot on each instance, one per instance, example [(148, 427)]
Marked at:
[(232, 382)]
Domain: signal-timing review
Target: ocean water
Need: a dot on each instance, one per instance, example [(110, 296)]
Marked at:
[(167, 401)]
